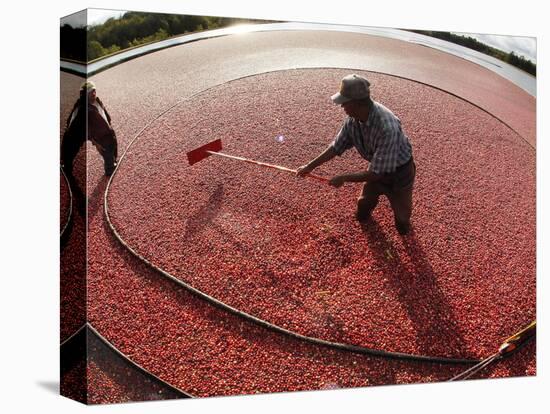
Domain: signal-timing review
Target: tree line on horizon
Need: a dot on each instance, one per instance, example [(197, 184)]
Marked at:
[(134, 29), (472, 43)]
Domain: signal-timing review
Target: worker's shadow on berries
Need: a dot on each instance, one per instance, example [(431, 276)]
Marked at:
[(416, 285)]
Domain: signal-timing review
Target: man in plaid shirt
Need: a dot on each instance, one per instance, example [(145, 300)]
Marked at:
[(376, 134)]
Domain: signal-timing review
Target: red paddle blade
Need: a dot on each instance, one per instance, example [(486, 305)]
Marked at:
[(201, 153)]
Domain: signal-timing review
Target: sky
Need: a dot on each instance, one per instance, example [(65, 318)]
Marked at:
[(522, 46)]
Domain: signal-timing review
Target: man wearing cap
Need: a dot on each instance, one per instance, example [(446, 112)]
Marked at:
[(376, 134), (89, 119)]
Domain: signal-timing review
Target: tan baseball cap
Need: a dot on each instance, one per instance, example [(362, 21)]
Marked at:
[(353, 87), (88, 86)]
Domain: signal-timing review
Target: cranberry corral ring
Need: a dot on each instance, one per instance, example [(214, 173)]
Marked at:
[(289, 252), (66, 203)]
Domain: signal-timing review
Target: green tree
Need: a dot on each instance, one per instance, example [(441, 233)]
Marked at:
[(95, 50)]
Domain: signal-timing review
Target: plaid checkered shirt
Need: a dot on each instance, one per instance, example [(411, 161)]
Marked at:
[(380, 140)]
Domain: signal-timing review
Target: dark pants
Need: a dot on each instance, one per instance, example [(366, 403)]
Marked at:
[(71, 143), (73, 140), (398, 187), (109, 152)]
